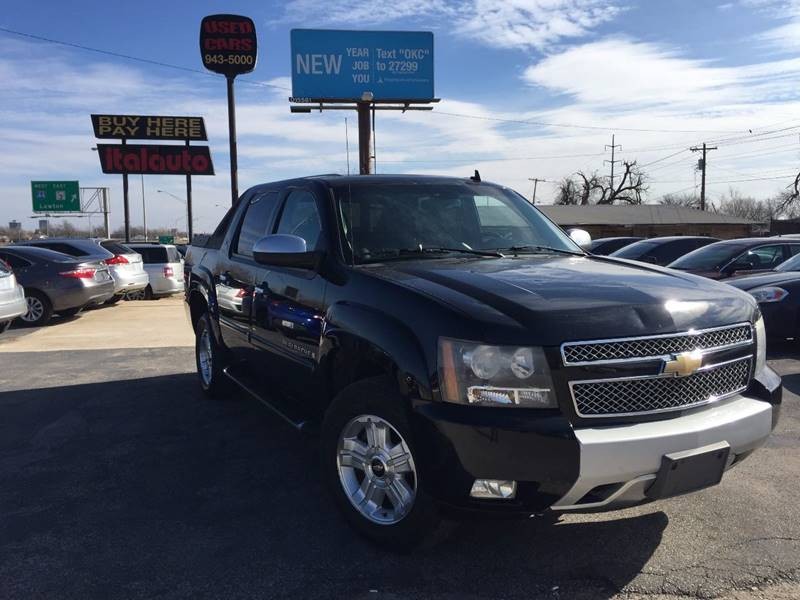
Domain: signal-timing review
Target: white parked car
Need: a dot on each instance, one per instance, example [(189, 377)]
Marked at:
[(12, 297), (164, 266)]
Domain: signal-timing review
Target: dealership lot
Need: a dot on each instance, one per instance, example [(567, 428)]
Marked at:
[(119, 479)]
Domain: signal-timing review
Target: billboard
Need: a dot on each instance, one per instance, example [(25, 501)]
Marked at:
[(228, 44), (337, 65), (149, 127), (155, 159), (56, 196)]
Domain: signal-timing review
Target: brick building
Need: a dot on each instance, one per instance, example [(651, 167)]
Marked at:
[(650, 220)]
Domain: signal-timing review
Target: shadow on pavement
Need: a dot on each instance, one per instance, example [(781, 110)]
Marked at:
[(145, 488)]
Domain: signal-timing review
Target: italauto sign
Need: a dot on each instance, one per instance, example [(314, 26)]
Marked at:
[(228, 44), (151, 159)]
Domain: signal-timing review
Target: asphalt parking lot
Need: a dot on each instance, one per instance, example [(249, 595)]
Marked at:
[(119, 479)]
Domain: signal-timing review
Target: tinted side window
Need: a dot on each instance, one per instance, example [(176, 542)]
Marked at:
[(15, 262), (257, 222), (765, 257), (64, 248), (216, 239), (300, 218), (115, 248), (794, 249)]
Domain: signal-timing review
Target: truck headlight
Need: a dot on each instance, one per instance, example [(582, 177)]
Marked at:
[(480, 374), (761, 344), (769, 293)]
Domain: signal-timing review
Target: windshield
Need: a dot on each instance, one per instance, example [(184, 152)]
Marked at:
[(709, 258), (793, 264), (404, 220), (636, 250)]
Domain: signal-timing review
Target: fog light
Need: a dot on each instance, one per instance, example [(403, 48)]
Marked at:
[(494, 488)]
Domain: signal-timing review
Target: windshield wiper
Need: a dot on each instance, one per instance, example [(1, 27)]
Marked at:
[(519, 249), (401, 253)]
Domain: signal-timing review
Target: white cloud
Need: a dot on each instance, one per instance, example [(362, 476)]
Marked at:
[(496, 23), (624, 74)]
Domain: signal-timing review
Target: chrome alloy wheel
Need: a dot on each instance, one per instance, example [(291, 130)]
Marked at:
[(204, 356), (376, 469), (35, 310), (137, 295)]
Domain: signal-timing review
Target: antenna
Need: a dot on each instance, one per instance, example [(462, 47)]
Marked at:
[(347, 144), (477, 177)]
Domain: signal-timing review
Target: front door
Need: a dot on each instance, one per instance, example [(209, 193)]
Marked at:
[(238, 273), (289, 303)]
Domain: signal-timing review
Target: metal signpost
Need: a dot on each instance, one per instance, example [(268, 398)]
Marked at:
[(56, 196), (375, 70), (228, 45), (152, 159)]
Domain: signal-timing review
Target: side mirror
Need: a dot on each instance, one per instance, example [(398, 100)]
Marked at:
[(580, 237), (282, 250)]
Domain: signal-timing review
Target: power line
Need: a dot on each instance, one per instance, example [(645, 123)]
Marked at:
[(130, 57)]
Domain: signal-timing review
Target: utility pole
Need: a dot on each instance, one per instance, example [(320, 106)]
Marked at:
[(701, 164), (613, 147), (535, 181)]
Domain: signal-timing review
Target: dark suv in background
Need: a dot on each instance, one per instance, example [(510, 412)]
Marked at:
[(457, 351), (738, 257)]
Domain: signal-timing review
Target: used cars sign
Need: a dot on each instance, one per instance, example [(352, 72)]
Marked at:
[(152, 159), (228, 44), (146, 127)]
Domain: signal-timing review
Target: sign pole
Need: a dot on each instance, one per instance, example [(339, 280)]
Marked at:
[(364, 138), (125, 204), (106, 221), (189, 203), (232, 139)]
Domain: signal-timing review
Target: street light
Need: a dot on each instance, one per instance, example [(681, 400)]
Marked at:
[(171, 194)]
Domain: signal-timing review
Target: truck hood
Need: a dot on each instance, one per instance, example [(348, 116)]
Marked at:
[(555, 299)]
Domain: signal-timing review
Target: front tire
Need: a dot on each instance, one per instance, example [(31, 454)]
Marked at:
[(4, 326), (39, 309), (370, 466), (211, 359)]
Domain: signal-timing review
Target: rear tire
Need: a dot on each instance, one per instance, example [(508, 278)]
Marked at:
[(40, 310), (370, 465), (148, 293), (211, 359)]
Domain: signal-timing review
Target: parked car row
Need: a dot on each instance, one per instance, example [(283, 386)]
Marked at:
[(40, 278), (767, 268)]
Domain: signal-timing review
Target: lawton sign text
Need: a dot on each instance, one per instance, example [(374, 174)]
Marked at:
[(148, 127), (151, 159)]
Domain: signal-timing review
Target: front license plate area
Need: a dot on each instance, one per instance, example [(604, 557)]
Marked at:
[(689, 471)]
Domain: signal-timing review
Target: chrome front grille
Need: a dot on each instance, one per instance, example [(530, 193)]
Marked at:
[(643, 395), (659, 346)]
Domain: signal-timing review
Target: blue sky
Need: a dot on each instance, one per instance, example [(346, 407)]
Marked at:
[(661, 75)]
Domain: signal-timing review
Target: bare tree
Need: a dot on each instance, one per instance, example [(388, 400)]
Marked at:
[(690, 200), (738, 205), (582, 188)]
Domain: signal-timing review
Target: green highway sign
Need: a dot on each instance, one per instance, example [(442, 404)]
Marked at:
[(56, 196), (166, 239)]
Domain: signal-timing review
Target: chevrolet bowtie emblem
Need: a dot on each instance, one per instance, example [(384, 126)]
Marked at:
[(684, 364)]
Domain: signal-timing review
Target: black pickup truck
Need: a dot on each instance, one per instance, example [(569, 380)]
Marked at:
[(457, 351)]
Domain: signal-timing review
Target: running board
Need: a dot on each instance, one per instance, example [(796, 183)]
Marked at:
[(299, 424)]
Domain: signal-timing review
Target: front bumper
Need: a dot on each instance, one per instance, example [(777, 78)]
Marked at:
[(562, 468)]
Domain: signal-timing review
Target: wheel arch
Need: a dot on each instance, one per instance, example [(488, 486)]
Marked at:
[(360, 342)]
